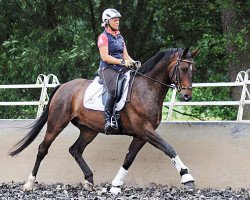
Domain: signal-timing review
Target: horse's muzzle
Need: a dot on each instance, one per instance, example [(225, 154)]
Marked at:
[(186, 95)]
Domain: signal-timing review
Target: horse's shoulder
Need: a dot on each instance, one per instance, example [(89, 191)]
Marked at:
[(79, 81)]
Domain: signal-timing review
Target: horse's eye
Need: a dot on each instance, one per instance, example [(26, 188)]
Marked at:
[(184, 69)]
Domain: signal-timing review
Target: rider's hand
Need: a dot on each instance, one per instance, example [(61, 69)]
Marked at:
[(126, 63)]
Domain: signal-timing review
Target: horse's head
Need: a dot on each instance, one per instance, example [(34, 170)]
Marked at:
[(181, 71)]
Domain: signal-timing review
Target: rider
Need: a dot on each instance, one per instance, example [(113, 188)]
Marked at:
[(114, 56)]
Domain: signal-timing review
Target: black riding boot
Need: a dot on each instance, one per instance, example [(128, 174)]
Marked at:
[(110, 128)]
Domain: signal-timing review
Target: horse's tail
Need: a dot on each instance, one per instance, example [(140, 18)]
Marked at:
[(36, 128)]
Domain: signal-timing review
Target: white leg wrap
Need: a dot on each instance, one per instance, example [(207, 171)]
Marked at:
[(178, 164), (118, 180), (30, 184), (186, 178), (115, 190)]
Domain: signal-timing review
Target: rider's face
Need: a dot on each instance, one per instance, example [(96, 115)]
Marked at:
[(114, 23)]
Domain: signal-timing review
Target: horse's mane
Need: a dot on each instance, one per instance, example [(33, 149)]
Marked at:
[(150, 64)]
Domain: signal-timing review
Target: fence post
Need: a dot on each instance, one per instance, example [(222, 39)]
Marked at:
[(42, 79), (171, 106), (248, 79), (54, 79), (243, 94)]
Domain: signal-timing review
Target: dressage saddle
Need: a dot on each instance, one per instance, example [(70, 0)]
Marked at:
[(120, 83)]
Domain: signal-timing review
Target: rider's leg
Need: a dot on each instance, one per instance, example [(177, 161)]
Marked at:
[(109, 77), (108, 113)]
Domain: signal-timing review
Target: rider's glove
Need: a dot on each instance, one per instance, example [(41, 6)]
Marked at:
[(126, 63)]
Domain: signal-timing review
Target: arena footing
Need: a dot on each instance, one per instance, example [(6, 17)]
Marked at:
[(217, 154)]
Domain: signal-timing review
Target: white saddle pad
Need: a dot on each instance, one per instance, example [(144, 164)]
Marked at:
[(93, 95)]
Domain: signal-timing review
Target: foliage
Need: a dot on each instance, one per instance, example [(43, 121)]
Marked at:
[(204, 113), (59, 37)]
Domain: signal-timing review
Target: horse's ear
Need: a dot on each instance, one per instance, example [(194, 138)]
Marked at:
[(185, 53), (194, 53)]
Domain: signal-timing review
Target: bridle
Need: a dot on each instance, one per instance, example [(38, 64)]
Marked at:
[(176, 75)]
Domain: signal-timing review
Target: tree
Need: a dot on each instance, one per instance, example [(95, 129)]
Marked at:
[(235, 29), (59, 37)]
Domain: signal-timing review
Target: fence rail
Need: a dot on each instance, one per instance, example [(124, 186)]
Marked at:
[(241, 80), (44, 82)]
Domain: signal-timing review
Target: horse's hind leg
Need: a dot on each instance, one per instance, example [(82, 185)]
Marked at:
[(53, 130), (134, 148), (86, 136)]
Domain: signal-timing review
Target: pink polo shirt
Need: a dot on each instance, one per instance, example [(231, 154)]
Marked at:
[(103, 39)]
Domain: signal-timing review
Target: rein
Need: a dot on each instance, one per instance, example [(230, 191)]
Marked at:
[(170, 86), (176, 73)]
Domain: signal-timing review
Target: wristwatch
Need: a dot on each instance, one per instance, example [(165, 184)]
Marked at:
[(122, 62)]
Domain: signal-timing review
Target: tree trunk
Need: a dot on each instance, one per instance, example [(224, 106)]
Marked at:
[(50, 15), (231, 25)]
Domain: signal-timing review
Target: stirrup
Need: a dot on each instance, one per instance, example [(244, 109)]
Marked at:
[(112, 128), (113, 123), (110, 131)]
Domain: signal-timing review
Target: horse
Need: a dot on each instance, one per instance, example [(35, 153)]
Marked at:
[(140, 116)]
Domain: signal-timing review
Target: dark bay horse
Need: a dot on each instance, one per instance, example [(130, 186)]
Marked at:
[(140, 116)]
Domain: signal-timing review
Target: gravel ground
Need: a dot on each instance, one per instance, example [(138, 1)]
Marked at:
[(61, 191)]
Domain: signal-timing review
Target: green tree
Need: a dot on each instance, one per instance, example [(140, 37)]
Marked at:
[(59, 37)]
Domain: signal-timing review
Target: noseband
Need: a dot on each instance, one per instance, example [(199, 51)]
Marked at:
[(176, 74)]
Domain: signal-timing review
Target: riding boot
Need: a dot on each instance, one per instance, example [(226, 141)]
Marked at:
[(110, 128)]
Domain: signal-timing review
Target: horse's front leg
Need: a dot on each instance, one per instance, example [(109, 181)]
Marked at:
[(134, 148), (156, 140)]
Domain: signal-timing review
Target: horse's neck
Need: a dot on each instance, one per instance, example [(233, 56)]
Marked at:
[(159, 73), (155, 90)]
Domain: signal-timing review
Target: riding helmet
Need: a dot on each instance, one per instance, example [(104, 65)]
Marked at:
[(109, 14)]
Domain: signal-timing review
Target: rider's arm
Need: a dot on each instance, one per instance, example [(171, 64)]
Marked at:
[(126, 55), (103, 49), (106, 57)]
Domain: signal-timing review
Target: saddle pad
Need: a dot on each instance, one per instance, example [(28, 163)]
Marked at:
[(93, 95)]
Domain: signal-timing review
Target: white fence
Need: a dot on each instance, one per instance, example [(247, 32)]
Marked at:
[(51, 81), (241, 80), (44, 82)]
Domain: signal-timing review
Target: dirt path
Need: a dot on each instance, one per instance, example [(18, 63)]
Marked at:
[(217, 155)]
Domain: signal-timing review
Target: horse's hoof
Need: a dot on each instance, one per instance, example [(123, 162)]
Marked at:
[(188, 181), (115, 190), (88, 186), (27, 187), (189, 185)]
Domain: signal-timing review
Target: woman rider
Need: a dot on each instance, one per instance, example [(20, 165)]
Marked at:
[(114, 57)]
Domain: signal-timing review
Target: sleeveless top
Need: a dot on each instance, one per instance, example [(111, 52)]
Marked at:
[(116, 46)]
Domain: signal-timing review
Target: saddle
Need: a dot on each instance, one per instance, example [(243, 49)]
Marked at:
[(120, 84), (93, 94)]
